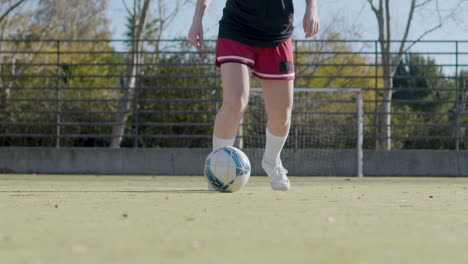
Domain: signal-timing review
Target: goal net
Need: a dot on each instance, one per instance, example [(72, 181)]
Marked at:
[(326, 132)]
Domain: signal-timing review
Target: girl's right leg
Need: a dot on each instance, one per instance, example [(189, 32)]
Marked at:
[(236, 86)]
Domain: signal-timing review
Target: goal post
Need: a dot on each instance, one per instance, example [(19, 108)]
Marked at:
[(326, 135)]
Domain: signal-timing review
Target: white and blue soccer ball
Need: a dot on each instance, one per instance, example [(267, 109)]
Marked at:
[(227, 169)]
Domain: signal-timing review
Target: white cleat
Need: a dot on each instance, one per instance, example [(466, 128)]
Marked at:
[(277, 174)]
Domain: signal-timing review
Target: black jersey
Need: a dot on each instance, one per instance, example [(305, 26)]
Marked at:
[(259, 23)]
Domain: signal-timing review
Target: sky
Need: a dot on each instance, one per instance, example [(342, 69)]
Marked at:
[(345, 16)]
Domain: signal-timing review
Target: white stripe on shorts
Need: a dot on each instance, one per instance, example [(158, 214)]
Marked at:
[(275, 75), (235, 57)]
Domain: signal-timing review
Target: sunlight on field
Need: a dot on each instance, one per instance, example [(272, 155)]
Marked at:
[(173, 219)]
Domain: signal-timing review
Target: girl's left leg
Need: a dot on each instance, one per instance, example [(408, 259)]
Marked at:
[(278, 96)]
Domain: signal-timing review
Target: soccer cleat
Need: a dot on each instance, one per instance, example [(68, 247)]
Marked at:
[(277, 174)]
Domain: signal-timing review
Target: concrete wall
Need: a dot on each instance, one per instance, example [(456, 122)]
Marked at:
[(190, 161)]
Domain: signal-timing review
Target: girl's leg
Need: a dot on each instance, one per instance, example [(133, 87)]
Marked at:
[(236, 86), (278, 96)]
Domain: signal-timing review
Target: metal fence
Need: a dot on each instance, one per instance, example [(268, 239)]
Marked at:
[(65, 93)]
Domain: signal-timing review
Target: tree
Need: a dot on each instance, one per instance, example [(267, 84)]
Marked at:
[(418, 78), (7, 7), (46, 19), (180, 92), (139, 18), (390, 59), (421, 79), (140, 27), (29, 54), (459, 110)]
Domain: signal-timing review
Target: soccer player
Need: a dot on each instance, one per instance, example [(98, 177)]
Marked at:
[(255, 38)]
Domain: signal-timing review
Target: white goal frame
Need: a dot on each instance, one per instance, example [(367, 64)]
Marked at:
[(360, 118)]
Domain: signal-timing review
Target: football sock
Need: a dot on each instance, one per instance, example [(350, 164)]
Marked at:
[(273, 146), (221, 142)]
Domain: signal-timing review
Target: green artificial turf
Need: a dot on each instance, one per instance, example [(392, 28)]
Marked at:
[(173, 219)]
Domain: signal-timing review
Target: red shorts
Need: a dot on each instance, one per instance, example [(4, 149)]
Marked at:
[(275, 63)]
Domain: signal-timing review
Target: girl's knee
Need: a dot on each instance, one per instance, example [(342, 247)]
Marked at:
[(235, 106), (280, 118)]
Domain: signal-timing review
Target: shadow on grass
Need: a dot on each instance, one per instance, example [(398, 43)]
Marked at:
[(117, 191)]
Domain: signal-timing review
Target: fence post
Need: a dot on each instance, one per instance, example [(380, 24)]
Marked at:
[(360, 133), (215, 93), (376, 91), (57, 103), (296, 133), (135, 96), (457, 101)]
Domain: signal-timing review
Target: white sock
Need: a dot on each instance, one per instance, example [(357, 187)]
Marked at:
[(274, 145), (221, 142)]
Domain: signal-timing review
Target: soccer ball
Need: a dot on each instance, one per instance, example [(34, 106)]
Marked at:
[(227, 169)]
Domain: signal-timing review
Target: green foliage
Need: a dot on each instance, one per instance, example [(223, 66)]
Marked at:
[(69, 76), (184, 83), (178, 93), (90, 81), (424, 90), (427, 78)]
